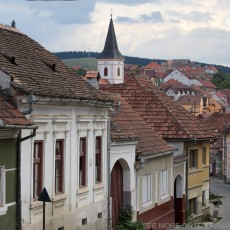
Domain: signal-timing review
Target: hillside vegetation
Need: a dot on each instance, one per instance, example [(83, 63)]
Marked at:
[(129, 60), (89, 63)]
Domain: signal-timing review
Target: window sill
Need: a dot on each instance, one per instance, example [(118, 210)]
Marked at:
[(3, 210), (82, 190), (147, 204), (98, 186), (205, 165), (194, 170), (164, 196), (59, 197), (36, 204)]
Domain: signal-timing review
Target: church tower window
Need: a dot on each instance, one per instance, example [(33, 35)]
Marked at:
[(105, 71)]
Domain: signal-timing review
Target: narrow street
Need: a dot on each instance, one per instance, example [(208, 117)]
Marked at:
[(218, 187)]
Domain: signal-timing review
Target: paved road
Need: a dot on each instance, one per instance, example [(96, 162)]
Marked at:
[(218, 187)]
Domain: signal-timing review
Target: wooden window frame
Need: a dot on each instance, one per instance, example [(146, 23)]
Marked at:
[(98, 159), (204, 156), (146, 189), (2, 187), (164, 182), (82, 162), (193, 158), (106, 71), (37, 162), (59, 172)]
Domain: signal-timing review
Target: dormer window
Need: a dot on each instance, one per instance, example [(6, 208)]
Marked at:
[(105, 71)]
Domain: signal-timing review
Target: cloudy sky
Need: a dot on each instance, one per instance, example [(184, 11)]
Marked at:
[(166, 29)]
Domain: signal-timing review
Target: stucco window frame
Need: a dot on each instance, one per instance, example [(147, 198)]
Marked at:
[(98, 154), (41, 165), (3, 207), (61, 129), (150, 200), (163, 194)]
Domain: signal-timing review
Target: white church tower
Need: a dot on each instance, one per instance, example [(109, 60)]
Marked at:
[(110, 60)]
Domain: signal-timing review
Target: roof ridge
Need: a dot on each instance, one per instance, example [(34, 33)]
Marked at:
[(10, 28)]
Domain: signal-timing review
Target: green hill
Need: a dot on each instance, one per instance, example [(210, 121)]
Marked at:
[(89, 63)]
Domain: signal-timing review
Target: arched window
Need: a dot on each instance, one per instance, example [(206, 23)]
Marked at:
[(118, 71), (105, 71)]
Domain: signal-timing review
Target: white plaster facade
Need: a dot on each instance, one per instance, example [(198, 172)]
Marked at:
[(69, 209), (176, 94), (125, 153), (114, 76), (154, 167), (179, 76)]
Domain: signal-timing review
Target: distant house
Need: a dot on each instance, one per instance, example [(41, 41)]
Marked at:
[(208, 85), (176, 89), (221, 154), (192, 103), (211, 70), (182, 77), (11, 122), (93, 77)]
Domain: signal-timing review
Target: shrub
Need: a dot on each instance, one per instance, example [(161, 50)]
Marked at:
[(125, 220)]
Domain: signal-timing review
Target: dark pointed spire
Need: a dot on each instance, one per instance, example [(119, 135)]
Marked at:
[(110, 49)]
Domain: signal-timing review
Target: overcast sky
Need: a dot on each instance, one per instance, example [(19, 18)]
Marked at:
[(166, 29)]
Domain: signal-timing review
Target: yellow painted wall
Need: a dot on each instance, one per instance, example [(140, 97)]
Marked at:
[(197, 176)]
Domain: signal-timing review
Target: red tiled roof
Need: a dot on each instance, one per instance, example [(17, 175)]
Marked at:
[(92, 74), (167, 117), (190, 100), (127, 121), (207, 84), (103, 82), (153, 65), (218, 121), (172, 83), (224, 93), (36, 70), (9, 115)]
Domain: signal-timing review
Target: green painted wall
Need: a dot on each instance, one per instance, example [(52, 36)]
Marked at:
[(8, 221), (8, 151)]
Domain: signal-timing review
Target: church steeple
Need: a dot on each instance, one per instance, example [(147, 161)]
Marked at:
[(110, 60), (111, 50)]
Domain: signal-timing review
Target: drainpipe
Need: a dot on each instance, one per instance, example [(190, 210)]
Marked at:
[(18, 182), (186, 183)]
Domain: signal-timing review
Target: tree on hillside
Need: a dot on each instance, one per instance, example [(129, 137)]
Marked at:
[(81, 72), (13, 24), (221, 80)]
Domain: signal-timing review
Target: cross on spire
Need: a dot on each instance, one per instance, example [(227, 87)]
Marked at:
[(111, 13)]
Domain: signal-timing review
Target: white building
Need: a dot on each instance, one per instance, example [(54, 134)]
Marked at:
[(110, 60), (181, 77), (68, 155)]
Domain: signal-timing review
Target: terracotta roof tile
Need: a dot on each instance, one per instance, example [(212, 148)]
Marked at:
[(9, 115), (38, 71), (167, 117), (217, 121), (207, 84), (92, 74), (128, 123)]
